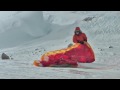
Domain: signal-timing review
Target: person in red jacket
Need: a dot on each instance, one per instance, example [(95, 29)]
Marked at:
[(79, 36)]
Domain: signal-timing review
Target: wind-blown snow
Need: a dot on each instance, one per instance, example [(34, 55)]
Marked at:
[(26, 35)]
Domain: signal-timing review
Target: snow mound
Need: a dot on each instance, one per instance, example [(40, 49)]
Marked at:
[(22, 27)]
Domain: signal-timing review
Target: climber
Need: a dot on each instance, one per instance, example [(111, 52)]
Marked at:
[(79, 36)]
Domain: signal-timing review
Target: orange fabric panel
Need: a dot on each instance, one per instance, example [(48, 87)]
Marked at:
[(71, 56)]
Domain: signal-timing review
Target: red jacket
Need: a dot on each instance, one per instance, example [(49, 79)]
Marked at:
[(81, 37)]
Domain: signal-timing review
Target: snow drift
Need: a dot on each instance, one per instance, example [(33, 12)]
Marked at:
[(22, 27)]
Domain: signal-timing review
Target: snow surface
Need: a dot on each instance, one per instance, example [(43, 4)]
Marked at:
[(26, 35)]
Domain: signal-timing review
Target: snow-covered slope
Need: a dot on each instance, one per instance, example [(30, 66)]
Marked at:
[(22, 27), (25, 36)]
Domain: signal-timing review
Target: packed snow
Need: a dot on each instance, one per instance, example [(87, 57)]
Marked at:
[(26, 35)]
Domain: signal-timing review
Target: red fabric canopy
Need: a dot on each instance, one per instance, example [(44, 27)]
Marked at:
[(81, 53)]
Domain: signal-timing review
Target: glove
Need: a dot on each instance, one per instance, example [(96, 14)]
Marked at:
[(81, 42)]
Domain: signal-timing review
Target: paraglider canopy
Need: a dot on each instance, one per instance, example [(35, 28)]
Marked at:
[(72, 55)]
